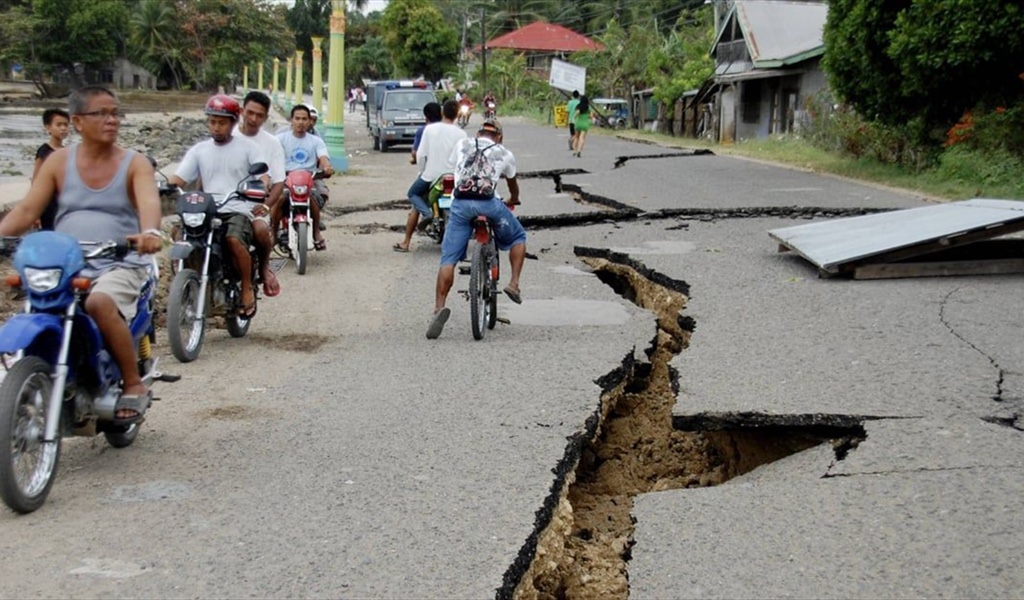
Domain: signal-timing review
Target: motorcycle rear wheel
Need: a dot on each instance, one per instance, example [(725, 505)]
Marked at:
[(237, 326), (186, 328), (479, 290), (27, 465), (301, 247)]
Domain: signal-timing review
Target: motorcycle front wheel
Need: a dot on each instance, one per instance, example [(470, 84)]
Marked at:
[(27, 464), (479, 291), (186, 327), (301, 247), (122, 436)]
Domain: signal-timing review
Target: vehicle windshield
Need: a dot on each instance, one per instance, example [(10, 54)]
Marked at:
[(407, 101)]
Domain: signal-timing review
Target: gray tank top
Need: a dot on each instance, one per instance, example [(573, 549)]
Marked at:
[(98, 215)]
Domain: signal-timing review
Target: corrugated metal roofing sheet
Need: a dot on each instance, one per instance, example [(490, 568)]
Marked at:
[(776, 30), (831, 244)]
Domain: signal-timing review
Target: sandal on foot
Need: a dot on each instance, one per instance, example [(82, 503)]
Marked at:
[(137, 403), (399, 248), (247, 311), (437, 325), (319, 245), (513, 295)]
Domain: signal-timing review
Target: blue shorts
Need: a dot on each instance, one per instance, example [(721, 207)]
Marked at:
[(417, 195), (508, 231)]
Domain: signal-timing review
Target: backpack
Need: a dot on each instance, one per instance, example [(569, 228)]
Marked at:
[(476, 176), (583, 106)]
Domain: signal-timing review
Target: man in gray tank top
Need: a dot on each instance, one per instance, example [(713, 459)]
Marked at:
[(105, 192)]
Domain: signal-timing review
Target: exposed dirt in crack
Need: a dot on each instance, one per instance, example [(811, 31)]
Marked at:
[(633, 446)]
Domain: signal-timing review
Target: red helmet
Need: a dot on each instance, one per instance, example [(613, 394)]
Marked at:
[(222, 105)]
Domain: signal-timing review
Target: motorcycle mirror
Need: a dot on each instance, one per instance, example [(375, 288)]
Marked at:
[(258, 168), (152, 161)]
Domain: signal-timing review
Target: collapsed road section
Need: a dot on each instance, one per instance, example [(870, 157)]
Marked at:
[(631, 445)]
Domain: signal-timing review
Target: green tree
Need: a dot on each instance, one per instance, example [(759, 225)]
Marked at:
[(682, 61), (78, 31), (152, 40), (419, 39), (923, 62)]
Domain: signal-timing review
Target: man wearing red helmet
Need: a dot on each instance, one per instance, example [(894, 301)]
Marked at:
[(221, 162)]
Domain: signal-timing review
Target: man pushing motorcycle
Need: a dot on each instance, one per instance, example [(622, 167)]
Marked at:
[(221, 162), (104, 192)]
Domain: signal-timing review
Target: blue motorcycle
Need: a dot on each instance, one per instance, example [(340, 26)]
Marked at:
[(59, 377)]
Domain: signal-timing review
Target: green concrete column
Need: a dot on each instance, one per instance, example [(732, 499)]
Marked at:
[(245, 79), (277, 68), (334, 130), (299, 97), (286, 98), (318, 79), (259, 76)]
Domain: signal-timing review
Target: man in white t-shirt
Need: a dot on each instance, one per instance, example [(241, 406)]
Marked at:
[(307, 152), (221, 162), (255, 109), (434, 158)]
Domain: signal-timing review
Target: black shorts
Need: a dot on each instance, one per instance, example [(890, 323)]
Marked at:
[(572, 129)]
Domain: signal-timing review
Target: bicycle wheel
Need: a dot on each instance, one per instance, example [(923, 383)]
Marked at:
[(479, 290)]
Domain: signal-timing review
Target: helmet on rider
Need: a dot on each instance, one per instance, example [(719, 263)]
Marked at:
[(222, 105), (313, 114), (491, 126)]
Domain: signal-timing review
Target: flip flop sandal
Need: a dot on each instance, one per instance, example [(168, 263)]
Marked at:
[(513, 295), (270, 292), (135, 402), (248, 311), (399, 248), (320, 245)]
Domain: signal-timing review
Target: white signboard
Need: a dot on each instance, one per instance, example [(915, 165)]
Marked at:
[(567, 76)]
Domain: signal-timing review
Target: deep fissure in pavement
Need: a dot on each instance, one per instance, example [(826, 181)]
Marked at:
[(632, 445)]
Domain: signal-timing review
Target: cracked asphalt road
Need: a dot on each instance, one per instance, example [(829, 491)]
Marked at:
[(385, 465)]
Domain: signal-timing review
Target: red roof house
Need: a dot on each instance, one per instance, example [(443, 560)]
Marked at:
[(541, 42), (544, 37)]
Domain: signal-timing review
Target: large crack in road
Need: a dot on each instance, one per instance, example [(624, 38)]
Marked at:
[(632, 445)]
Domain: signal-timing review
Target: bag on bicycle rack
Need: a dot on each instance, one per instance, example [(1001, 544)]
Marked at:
[(476, 176)]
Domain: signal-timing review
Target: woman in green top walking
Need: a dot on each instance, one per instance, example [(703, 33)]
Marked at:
[(581, 118)]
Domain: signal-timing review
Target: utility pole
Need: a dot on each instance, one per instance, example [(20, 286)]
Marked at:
[(483, 52)]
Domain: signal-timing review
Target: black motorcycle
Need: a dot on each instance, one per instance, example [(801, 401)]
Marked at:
[(206, 282)]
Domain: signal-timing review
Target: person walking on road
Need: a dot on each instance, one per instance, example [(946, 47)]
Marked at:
[(582, 121), (570, 109)]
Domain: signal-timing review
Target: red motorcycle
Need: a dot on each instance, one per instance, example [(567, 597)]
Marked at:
[(295, 231)]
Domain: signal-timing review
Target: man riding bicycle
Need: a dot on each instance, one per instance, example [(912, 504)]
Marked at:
[(467, 206)]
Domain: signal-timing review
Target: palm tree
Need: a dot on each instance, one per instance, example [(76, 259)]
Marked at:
[(153, 27)]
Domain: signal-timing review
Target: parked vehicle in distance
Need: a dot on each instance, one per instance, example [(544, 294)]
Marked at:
[(611, 112), (394, 111)]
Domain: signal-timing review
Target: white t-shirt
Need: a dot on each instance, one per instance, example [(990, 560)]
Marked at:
[(221, 167), (301, 152), (272, 149), (502, 161), (435, 149)]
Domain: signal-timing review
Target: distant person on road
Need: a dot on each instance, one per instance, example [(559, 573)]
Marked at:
[(432, 113), (314, 117), (508, 232), (434, 156), (570, 109), (56, 122), (582, 120)]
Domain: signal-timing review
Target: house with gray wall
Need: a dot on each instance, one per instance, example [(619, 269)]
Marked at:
[(768, 62)]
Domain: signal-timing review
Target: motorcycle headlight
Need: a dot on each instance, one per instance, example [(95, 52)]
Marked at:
[(193, 219), (41, 281), (300, 190), (391, 123)]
